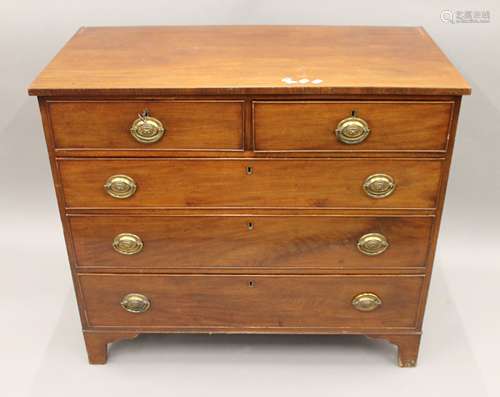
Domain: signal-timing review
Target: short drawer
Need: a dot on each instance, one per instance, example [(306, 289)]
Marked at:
[(200, 183), (155, 242), (225, 301), (390, 126), (187, 125)]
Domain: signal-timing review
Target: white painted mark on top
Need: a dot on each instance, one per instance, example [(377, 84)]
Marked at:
[(290, 80)]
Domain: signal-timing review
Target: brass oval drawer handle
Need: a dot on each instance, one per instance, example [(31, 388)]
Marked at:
[(372, 244), (135, 303), (366, 302), (120, 186), (352, 130), (147, 129), (379, 185), (127, 244)]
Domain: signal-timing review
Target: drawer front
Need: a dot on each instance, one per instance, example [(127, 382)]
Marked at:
[(188, 125), (311, 126), (250, 241), (182, 301), (251, 183)]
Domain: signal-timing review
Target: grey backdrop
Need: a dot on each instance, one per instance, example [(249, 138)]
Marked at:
[(40, 341)]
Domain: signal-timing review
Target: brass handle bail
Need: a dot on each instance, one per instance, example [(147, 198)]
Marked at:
[(372, 244), (352, 130), (135, 303), (147, 129), (366, 302), (127, 244), (379, 185), (120, 186)]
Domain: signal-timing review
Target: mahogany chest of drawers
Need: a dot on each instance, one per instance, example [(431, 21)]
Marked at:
[(250, 179)]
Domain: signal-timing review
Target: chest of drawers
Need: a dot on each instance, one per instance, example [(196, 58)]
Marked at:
[(250, 179)]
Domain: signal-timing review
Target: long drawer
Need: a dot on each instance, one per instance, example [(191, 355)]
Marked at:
[(187, 125), (238, 183), (250, 241), (225, 301), (390, 126)]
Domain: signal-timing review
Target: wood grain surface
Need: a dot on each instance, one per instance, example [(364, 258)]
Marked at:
[(249, 59), (218, 301), (228, 242), (189, 125), (273, 183), (310, 125)]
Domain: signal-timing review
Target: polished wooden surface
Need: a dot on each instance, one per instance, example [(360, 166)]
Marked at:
[(273, 183), (220, 301), (249, 59), (254, 242), (189, 125), (310, 125)]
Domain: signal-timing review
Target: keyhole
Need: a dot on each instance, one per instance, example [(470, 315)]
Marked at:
[(353, 113), (249, 170), (250, 225), (251, 283)]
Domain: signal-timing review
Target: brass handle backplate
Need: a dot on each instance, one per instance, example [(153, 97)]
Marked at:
[(352, 130), (147, 129), (372, 244), (127, 244), (379, 185), (366, 302), (120, 186), (135, 303)]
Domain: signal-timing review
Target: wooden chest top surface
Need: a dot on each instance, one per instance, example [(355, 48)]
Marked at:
[(225, 60)]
